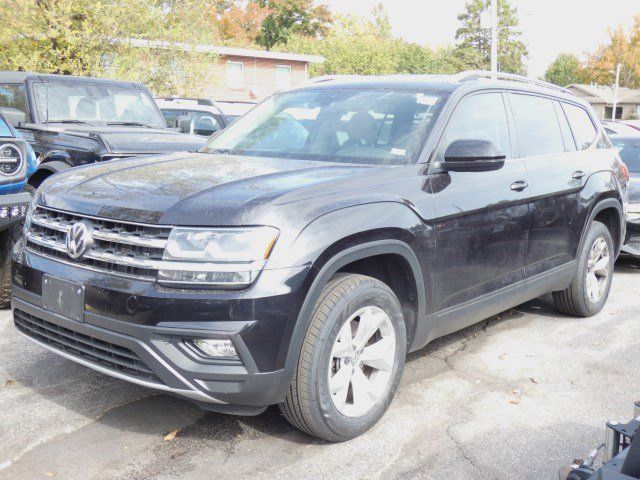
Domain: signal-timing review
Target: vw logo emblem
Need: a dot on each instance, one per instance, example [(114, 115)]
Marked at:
[(79, 240)]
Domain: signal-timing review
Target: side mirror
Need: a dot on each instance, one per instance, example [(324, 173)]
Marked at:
[(184, 124), (468, 155), (204, 131)]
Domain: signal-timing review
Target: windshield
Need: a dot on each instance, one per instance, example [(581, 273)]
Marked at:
[(95, 104), (629, 152), (349, 125)]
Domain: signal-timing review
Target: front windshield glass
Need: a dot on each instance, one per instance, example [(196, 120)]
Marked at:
[(629, 152), (348, 125), (95, 104)]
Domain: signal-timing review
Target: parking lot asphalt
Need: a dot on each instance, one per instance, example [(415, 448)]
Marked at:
[(513, 397)]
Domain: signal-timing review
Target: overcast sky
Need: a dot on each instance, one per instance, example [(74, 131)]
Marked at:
[(549, 26)]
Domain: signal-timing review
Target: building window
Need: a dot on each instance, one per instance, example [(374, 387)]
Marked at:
[(283, 77), (608, 113), (235, 74)]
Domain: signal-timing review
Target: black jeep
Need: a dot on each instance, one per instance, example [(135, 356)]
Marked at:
[(332, 229), (71, 121)]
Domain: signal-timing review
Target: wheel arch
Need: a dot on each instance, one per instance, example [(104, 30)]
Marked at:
[(45, 170), (609, 211), (339, 261)]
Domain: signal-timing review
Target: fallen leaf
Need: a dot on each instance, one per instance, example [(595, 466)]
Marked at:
[(50, 474), (171, 435), (8, 382), (502, 355), (534, 380), (515, 401)]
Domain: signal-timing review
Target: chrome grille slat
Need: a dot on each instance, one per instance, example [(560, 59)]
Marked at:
[(123, 248)]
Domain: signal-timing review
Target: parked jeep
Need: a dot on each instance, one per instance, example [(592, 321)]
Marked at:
[(319, 238), (17, 163), (72, 121)]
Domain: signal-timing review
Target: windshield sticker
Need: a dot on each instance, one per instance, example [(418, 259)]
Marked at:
[(398, 151), (422, 99)]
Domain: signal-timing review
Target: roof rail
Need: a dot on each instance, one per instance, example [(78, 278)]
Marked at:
[(476, 74)]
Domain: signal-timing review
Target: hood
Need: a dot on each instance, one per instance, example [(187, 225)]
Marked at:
[(191, 189), (125, 139)]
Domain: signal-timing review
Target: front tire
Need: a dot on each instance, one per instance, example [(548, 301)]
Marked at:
[(8, 238), (351, 361), (590, 286)]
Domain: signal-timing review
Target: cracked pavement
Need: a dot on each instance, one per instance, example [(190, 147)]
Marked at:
[(515, 396)]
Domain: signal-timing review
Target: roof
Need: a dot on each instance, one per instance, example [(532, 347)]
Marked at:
[(605, 93), (20, 77), (442, 83), (227, 51)]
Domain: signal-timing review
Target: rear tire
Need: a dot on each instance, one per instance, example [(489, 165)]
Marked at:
[(589, 289), (351, 361)]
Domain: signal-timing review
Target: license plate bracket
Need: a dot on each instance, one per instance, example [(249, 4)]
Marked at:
[(63, 297)]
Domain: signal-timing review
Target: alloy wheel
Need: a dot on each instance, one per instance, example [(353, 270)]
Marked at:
[(362, 359), (597, 269)]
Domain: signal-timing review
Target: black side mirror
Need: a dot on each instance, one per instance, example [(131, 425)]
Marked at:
[(468, 155)]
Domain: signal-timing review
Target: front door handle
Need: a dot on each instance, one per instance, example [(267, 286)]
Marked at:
[(519, 186), (578, 174)]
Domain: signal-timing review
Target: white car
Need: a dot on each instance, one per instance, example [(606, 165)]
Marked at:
[(200, 116)]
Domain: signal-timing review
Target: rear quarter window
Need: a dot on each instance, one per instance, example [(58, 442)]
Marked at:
[(584, 131)]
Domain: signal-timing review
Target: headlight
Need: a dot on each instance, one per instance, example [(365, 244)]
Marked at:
[(225, 257)]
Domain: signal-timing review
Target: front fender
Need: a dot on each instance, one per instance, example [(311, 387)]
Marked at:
[(343, 236)]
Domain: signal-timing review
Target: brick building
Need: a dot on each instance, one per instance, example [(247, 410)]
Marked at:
[(241, 74), (256, 74)]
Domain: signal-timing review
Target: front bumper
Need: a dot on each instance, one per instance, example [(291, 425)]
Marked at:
[(136, 331), (13, 208)]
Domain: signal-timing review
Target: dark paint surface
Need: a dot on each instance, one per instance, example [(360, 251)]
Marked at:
[(471, 233)]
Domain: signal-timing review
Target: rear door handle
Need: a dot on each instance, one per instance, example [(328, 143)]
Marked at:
[(578, 174), (519, 186)]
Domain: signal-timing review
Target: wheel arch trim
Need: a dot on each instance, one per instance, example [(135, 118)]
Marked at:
[(600, 206), (333, 265)]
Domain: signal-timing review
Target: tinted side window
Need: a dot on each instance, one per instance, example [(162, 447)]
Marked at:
[(480, 117), (583, 129), (567, 136), (537, 125), (171, 116), (13, 96)]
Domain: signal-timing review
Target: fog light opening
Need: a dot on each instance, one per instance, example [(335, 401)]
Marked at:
[(215, 348)]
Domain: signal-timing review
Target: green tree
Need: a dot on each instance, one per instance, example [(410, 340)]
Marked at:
[(291, 17), (512, 51), (565, 70), (381, 21), (90, 38), (354, 46)]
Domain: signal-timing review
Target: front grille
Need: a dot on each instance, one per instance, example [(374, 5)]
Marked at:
[(122, 248), (105, 354)]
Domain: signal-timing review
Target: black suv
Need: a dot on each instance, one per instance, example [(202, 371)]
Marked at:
[(306, 249), (71, 121)]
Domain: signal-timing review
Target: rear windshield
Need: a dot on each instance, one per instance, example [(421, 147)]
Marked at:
[(629, 152), (347, 125)]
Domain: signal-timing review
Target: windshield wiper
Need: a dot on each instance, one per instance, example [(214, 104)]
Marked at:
[(69, 120), (130, 124)]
